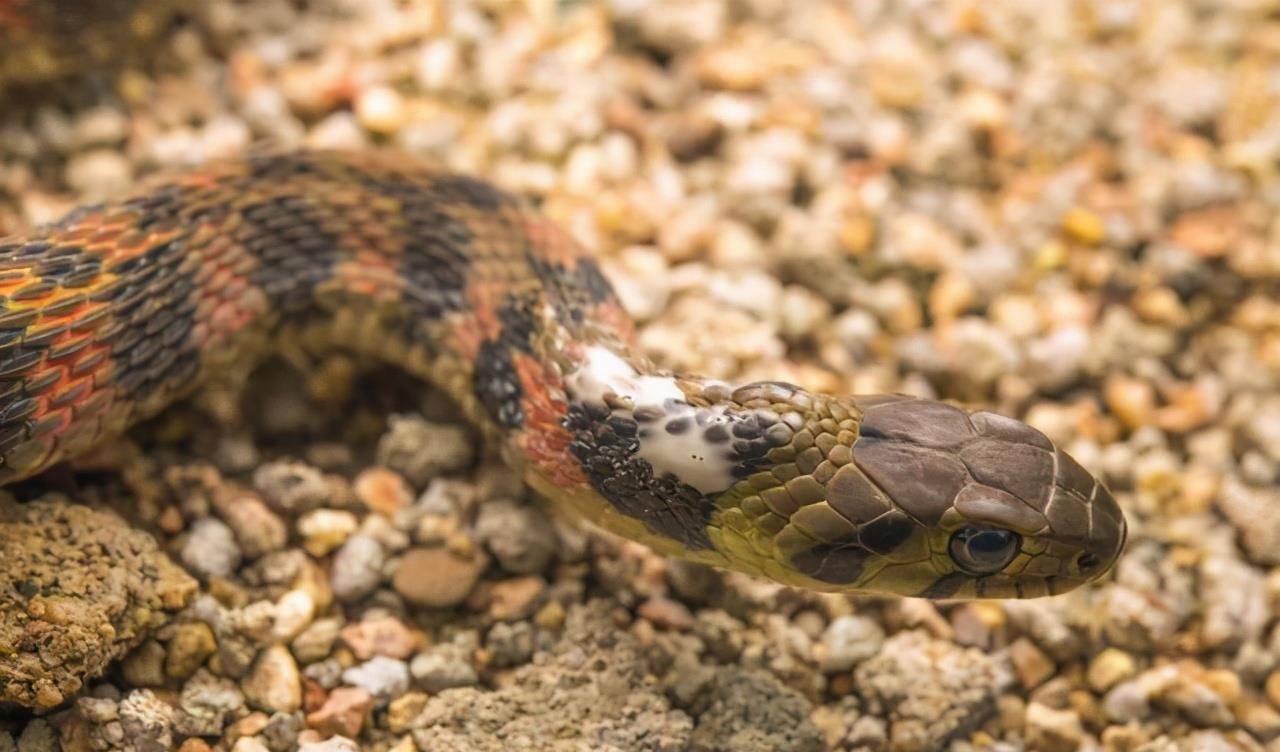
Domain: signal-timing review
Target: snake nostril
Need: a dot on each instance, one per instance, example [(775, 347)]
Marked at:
[(1087, 561)]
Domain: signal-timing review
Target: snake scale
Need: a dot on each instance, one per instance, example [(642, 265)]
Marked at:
[(118, 309)]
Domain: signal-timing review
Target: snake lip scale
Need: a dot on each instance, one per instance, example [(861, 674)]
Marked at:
[(118, 309)]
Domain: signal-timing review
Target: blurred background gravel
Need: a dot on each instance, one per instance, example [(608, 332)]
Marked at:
[(1064, 210)]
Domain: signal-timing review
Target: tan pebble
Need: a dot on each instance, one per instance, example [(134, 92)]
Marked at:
[(1272, 687), (1030, 663), (666, 613), (324, 530), (898, 71), (314, 581), (195, 745), (983, 109), (404, 710), (99, 173), (551, 616), (1224, 683), (171, 521), (250, 744), (831, 722), (1160, 305), (437, 577), (294, 612), (274, 684), (1012, 712), (1083, 225), (258, 530), (343, 712), (192, 644), (1053, 730), (857, 234), (380, 635), (381, 109), (1259, 718), (1190, 406), (1109, 668), (731, 67), (1124, 738), (950, 296), (1051, 255), (515, 598), (250, 725), (144, 667), (1208, 233), (383, 491), (1131, 399)]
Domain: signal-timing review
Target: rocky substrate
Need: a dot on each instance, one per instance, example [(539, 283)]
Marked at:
[(1064, 211)]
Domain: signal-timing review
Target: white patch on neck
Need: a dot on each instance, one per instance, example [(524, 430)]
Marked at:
[(604, 372), (687, 454)]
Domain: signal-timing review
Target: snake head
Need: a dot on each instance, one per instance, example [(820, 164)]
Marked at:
[(914, 497)]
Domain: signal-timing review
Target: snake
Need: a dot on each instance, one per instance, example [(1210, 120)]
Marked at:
[(115, 311)]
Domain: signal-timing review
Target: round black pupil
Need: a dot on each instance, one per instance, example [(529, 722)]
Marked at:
[(988, 542)]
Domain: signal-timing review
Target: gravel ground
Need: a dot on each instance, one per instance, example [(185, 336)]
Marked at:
[(1063, 210)]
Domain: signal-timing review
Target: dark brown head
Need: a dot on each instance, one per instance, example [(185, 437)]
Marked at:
[(914, 497), (1005, 512)]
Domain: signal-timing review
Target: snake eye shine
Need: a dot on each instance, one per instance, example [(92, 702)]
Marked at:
[(117, 310), (979, 551)]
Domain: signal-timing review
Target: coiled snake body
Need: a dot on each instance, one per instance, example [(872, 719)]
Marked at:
[(118, 309)]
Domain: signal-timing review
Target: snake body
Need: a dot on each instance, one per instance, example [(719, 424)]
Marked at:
[(118, 309)]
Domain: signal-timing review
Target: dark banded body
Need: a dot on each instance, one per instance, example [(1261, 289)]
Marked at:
[(115, 311)]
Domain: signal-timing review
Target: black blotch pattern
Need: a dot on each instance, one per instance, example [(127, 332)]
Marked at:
[(606, 446), (838, 564), (438, 244), (593, 280), (573, 290), (296, 251), (497, 385), (750, 445), (886, 532), (519, 321)]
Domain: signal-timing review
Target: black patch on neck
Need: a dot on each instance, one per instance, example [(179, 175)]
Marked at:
[(606, 446)]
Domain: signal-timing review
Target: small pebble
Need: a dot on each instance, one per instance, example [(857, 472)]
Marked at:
[(382, 491), (382, 677), (520, 537), (443, 667), (847, 641), (379, 635), (211, 549), (274, 684), (436, 577), (343, 712), (324, 530), (357, 568)]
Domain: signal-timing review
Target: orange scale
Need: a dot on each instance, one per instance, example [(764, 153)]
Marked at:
[(220, 278), (70, 392), (95, 403)]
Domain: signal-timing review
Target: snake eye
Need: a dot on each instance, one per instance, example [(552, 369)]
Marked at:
[(983, 551)]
